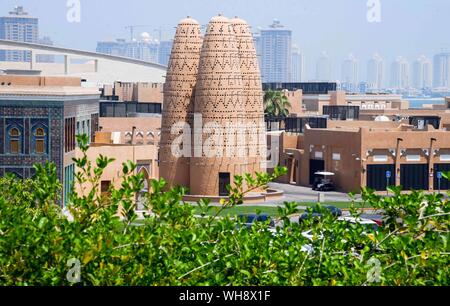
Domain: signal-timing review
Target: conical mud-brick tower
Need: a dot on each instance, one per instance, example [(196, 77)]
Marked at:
[(178, 103), (253, 96), (220, 101), (213, 88)]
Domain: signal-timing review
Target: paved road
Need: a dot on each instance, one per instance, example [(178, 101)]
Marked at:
[(300, 195), (306, 194)]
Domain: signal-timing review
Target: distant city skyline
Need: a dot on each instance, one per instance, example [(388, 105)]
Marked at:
[(343, 26)]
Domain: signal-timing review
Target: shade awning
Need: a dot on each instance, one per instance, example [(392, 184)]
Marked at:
[(325, 173)]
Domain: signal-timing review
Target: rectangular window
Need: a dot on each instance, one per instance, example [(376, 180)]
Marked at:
[(413, 158), (336, 156), (94, 126), (69, 134), (445, 157), (15, 147), (69, 178), (104, 187), (380, 158), (40, 146)]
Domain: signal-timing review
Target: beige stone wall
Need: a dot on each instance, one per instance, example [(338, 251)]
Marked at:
[(147, 129), (326, 143), (344, 124), (135, 92), (148, 92), (145, 155), (20, 80), (295, 98), (337, 98)]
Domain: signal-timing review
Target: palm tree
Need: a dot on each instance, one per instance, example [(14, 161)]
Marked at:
[(276, 104)]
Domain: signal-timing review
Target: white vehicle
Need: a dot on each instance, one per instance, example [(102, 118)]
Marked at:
[(370, 224), (309, 235)]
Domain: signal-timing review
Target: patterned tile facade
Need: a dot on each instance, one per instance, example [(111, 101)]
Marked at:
[(29, 115)]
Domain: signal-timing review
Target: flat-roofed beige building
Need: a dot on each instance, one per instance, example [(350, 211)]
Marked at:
[(364, 153)]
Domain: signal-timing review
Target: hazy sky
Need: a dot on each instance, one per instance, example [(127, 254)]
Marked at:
[(340, 27)]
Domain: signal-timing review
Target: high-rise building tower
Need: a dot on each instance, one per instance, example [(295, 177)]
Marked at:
[(400, 73), (375, 72), (350, 73), (323, 67), (298, 65), (165, 47), (257, 43), (441, 70), (276, 53), (45, 58), (145, 49), (21, 27), (178, 106), (422, 73)]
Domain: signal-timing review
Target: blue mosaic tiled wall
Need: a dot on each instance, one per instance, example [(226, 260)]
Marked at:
[(26, 116)]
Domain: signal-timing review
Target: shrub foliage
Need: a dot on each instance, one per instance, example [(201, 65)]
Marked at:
[(100, 241)]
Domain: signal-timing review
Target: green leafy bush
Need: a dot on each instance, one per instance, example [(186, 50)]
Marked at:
[(41, 245)]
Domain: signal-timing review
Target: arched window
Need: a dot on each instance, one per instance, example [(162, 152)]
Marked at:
[(39, 141), (40, 132), (14, 140)]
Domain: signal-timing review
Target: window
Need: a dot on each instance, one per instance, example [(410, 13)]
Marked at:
[(40, 132), (69, 134), (380, 158), (14, 132), (14, 141), (39, 141), (445, 157), (413, 157), (69, 177), (104, 187)]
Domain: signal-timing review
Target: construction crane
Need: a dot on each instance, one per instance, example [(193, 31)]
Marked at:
[(132, 27)]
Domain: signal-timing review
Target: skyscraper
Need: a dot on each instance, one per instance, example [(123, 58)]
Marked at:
[(375, 72), (441, 68), (400, 73), (422, 73), (165, 47), (144, 49), (276, 53), (350, 73), (257, 43), (116, 48), (18, 26), (323, 67), (298, 72), (45, 58)]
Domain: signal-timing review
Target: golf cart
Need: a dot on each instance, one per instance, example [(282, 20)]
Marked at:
[(322, 182)]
